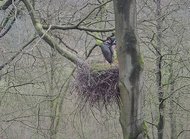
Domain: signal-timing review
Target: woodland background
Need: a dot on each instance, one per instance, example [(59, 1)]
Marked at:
[(37, 94)]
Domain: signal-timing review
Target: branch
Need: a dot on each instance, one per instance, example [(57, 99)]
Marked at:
[(152, 124), (182, 132), (5, 29), (46, 37), (182, 107), (172, 93), (14, 56), (5, 4), (82, 20), (61, 41), (90, 51), (92, 35), (76, 27), (9, 20)]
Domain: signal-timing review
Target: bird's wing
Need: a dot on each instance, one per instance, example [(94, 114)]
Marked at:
[(107, 53)]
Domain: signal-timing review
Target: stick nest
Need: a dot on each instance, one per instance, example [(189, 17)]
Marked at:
[(97, 86)]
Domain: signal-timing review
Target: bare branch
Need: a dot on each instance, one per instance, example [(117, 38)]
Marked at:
[(5, 4), (75, 27), (14, 56), (61, 41), (90, 51), (5, 30), (9, 20), (97, 38), (92, 12), (182, 132), (78, 27), (48, 38), (152, 124)]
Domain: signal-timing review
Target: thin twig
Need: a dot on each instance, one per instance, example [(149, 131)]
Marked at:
[(14, 56)]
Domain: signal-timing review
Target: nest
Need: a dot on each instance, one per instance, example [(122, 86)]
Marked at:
[(97, 86)]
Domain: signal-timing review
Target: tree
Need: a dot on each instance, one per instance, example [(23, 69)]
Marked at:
[(158, 71), (45, 32), (34, 81), (130, 68)]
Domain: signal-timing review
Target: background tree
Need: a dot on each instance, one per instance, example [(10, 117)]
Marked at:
[(34, 79)]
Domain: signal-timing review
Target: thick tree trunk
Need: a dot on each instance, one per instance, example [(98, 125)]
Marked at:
[(158, 71), (129, 69)]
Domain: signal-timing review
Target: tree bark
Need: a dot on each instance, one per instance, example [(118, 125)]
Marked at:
[(173, 107), (160, 92), (4, 4), (130, 67)]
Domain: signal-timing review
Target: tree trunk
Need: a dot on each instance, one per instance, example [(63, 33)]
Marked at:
[(57, 103), (173, 116), (173, 107), (129, 69), (158, 71), (53, 126)]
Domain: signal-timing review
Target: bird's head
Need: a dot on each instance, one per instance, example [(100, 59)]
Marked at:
[(111, 41)]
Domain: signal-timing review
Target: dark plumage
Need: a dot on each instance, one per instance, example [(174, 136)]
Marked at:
[(107, 49)]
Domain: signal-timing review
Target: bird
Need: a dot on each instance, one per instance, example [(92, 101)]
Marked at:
[(108, 49)]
